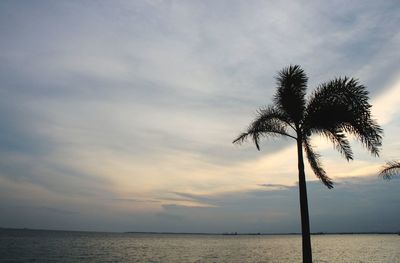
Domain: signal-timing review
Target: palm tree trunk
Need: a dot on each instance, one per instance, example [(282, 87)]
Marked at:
[(305, 222)]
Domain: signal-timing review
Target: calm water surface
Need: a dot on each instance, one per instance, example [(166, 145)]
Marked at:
[(63, 246)]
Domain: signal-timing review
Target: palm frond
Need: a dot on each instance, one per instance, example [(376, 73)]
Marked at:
[(291, 90), (368, 132), (342, 105), (269, 122), (315, 163), (390, 169), (241, 138), (339, 140)]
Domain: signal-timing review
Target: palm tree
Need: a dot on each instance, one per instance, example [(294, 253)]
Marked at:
[(390, 169), (336, 109)]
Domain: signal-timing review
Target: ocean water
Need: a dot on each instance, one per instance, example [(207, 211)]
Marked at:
[(65, 246)]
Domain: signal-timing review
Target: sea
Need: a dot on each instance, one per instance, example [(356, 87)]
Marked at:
[(67, 246)]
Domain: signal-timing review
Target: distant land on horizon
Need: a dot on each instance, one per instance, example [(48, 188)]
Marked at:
[(205, 233)]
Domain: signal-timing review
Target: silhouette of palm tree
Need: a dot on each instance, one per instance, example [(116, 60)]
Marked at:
[(390, 169), (335, 109)]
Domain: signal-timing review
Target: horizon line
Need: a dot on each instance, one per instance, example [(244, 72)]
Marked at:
[(206, 233)]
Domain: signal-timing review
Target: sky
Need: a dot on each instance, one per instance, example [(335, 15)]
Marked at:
[(120, 115)]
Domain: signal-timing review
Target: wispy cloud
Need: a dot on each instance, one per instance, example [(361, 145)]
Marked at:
[(276, 186), (137, 102)]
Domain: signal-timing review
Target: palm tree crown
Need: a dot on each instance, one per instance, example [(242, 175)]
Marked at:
[(336, 109)]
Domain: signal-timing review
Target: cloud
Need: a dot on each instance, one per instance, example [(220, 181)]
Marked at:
[(135, 200), (140, 101), (276, 186), (336, 210), (385, 105), (57, 210)]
